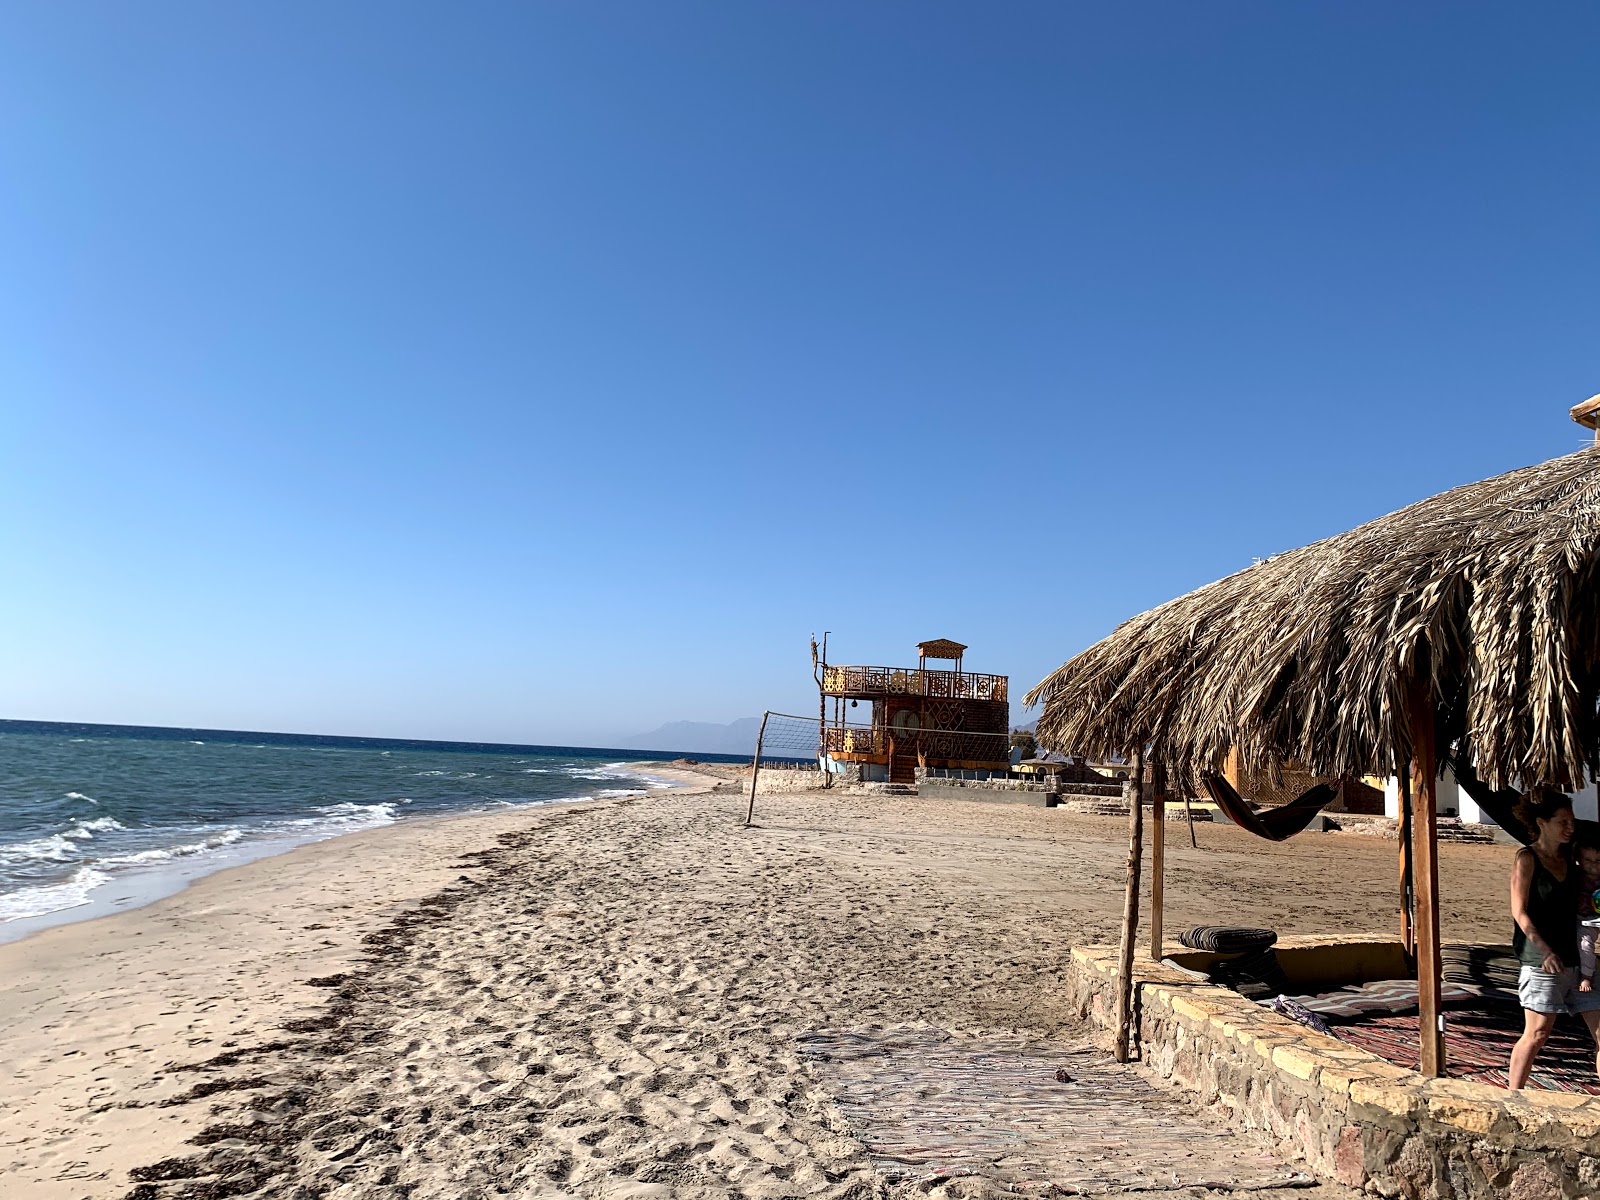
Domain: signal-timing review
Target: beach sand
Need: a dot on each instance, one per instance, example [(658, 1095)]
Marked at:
[(599, 999)]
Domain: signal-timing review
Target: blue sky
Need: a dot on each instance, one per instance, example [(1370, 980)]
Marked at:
[(543, 372)]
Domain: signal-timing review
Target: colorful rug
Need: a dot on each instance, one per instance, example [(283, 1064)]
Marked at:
[(1478, 1046)]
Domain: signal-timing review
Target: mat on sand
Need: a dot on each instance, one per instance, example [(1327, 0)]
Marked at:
[(926, 1103)]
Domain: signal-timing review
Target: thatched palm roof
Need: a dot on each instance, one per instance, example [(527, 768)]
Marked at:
[(1485, 595)]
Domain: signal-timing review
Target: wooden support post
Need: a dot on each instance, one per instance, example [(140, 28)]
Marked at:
[(1425, 849), (1130, 911), (755, 770), (1158, 846), (1408, 897)]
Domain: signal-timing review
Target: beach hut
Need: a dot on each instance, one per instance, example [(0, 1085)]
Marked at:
[(1462, 629), (944, 719)]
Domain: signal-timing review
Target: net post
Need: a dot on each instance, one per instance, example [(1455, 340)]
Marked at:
[(755, 770)]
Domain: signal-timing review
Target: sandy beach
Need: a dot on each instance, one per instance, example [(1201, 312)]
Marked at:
[(598, 999)]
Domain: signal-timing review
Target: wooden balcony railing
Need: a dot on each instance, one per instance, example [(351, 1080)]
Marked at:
[(852, 741), (908, 681), (949, 744)]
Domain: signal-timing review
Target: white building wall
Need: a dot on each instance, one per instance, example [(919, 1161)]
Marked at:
[(1451, 800)]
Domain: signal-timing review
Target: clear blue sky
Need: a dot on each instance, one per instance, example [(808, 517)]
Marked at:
[(546, 371)]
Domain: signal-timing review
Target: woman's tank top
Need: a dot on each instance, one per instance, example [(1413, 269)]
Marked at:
[(1553, 910)]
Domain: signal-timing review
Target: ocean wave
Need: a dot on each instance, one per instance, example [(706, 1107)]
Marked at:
[(226, 838), (51, 897), (57, 847), (346, 817), (87, 829), (655, 782), (609, 771)]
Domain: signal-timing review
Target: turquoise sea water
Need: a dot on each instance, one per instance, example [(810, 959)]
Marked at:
[(95, 818)]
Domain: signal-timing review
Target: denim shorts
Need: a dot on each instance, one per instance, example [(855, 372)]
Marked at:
[(1542, 993)]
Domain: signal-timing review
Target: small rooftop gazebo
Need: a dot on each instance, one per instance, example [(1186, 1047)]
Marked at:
[(1464, 628)]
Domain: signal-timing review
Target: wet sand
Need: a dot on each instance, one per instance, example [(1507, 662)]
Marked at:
[(597, 999)]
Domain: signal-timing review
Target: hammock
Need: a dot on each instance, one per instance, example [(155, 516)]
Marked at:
[(1274, 824)]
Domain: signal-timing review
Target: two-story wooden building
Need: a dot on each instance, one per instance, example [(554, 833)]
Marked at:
[(920, 717)]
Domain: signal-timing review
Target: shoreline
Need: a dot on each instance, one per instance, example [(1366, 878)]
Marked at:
[(131, 890)]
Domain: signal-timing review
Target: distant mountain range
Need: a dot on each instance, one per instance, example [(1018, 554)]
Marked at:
[(699, 737)]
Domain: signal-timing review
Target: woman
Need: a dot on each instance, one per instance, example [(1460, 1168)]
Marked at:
[(1544, 904)]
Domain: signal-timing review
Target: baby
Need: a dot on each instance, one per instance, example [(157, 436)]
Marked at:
[(1588, 894)]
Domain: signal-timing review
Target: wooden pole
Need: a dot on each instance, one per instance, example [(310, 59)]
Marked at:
[(755, 770), (1188, 811), (1158, 846), (1408, 900), (1425, 847), (1130, 911)]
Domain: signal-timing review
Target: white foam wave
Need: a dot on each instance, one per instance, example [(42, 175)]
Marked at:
[(87, 829), (51, 897), (610, 772), (345, 817), (655, 781), (216, 842), (58, 847)]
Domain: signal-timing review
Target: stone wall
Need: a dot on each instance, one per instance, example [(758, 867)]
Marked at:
[(790, 779), (1350, 1115), (956, 789)]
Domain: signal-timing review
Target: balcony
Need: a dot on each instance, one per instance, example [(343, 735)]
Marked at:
[(940, 745), (852, 741), (867, 683)]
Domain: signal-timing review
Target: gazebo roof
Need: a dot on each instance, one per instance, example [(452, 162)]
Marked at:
[(1484, 595), (940, 648)]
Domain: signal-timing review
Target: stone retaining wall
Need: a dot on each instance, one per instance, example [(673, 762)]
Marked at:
[(789, 779), (1350, 1115)]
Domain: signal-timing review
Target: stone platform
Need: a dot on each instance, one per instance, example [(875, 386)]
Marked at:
[(1349, 1114)]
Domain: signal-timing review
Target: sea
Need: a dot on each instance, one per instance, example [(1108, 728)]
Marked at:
[(96, 819)]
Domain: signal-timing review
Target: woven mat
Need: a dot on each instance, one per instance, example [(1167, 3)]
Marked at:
[(927, 1104), (1477, 1046)]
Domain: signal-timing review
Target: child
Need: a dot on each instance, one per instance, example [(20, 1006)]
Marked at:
[(1589, 864)]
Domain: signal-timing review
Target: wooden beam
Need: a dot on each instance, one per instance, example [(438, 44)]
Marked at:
[(1130, 912), (1158, 846), (1408, 899), (1425, 847), (1588, 415)]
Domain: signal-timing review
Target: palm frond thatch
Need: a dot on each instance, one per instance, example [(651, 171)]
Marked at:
[(1485, 595)]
